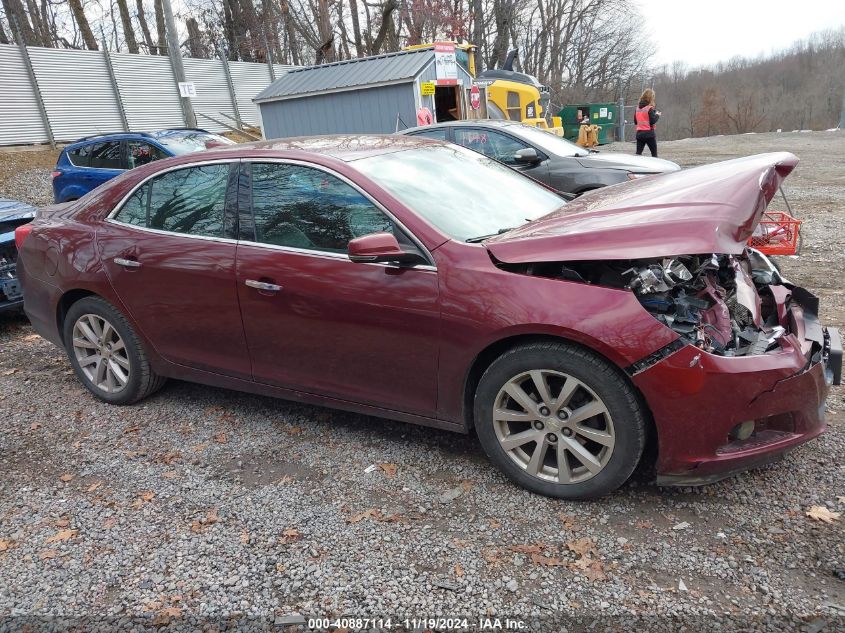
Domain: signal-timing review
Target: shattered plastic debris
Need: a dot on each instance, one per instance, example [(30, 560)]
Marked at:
[(717, 307)]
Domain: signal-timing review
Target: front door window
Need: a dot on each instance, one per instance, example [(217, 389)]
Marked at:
[(495, 145), (303, 207)]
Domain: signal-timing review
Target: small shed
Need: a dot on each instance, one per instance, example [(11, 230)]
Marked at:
[(370, 95)]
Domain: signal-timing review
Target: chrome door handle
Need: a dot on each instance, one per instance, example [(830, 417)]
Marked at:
[(129, 263), (262, 285)]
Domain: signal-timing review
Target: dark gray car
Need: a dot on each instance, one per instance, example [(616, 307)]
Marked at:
[(544, 156)]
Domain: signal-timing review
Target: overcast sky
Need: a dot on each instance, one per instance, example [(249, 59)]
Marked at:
[(702, 32)]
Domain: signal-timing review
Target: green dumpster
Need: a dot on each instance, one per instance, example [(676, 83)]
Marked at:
[(602, 114)]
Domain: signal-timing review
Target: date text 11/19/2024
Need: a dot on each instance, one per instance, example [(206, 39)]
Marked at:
[(417, 624)]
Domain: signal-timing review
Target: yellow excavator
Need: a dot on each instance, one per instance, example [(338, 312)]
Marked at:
[(510, 94)]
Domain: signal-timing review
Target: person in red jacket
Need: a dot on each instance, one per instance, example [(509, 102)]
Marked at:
[(645, 119)]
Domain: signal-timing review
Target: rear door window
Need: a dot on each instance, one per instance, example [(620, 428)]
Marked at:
[(189, 201), (106, 155), (303, 207)]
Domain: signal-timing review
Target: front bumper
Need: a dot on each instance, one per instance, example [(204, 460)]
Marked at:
[(698, 399)]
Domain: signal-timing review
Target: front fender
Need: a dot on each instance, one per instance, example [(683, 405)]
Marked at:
[(483, 305)]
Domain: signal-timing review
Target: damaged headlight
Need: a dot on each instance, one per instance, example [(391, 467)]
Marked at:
[(712, 301), (658, 277)]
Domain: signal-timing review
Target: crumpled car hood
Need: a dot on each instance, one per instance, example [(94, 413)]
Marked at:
[(11, 210), (15, 210), (708, 209)]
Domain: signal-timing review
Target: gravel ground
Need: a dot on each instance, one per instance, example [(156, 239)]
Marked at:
[(206, 508)]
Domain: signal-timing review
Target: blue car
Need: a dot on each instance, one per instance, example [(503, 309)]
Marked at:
[(12, 215), (91, 161)]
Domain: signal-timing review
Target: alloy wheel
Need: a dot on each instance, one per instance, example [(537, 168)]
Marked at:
[(553, 426), (101, 353)]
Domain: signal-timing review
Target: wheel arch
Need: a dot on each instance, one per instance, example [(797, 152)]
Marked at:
[(65, 302), (490, 353)]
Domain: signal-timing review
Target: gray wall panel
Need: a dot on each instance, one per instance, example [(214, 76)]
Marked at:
[(213, 97), (77, 91), (372, 110), (249, 80), (149, 91), (80, 100), (20, 122)]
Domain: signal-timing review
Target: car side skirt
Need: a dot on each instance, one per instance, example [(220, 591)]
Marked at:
[(181, 372)]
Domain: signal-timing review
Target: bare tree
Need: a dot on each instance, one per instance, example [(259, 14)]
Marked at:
[(126, 22), (161, 29), (503, 15), (356, 28), (196, 44), (39, 28), (19, 21), (83, 24), (145, 28), (325, 44)]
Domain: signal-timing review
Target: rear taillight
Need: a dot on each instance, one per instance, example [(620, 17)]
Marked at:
[(55, 174), (21, 233)]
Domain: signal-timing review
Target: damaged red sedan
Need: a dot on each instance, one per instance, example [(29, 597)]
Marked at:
[(415, 280)]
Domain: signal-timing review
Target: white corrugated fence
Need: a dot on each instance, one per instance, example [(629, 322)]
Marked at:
[(79, 95)]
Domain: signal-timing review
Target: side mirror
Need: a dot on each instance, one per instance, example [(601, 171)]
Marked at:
[(527, 156), (379, 247)]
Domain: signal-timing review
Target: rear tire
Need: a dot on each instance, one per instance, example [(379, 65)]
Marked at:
[(106, 354), (559, 420)]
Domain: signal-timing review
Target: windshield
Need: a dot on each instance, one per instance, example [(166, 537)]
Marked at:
[(464, 194), (184, 142), (550, 142)]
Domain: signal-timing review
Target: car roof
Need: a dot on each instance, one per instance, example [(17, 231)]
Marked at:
[(119, 136), (341, 147)]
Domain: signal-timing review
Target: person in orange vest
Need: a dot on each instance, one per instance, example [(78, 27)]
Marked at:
[(645, 119)]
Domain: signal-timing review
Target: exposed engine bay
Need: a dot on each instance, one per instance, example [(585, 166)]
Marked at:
[(715, 301), (10, 288), (723, 304)]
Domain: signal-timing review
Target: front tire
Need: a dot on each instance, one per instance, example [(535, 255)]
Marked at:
[(559, 420), (106, 354)]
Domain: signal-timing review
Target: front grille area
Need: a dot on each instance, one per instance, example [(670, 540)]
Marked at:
[(768, 430)]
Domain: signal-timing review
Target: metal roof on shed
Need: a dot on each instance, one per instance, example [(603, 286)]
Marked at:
[(348, 74)]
